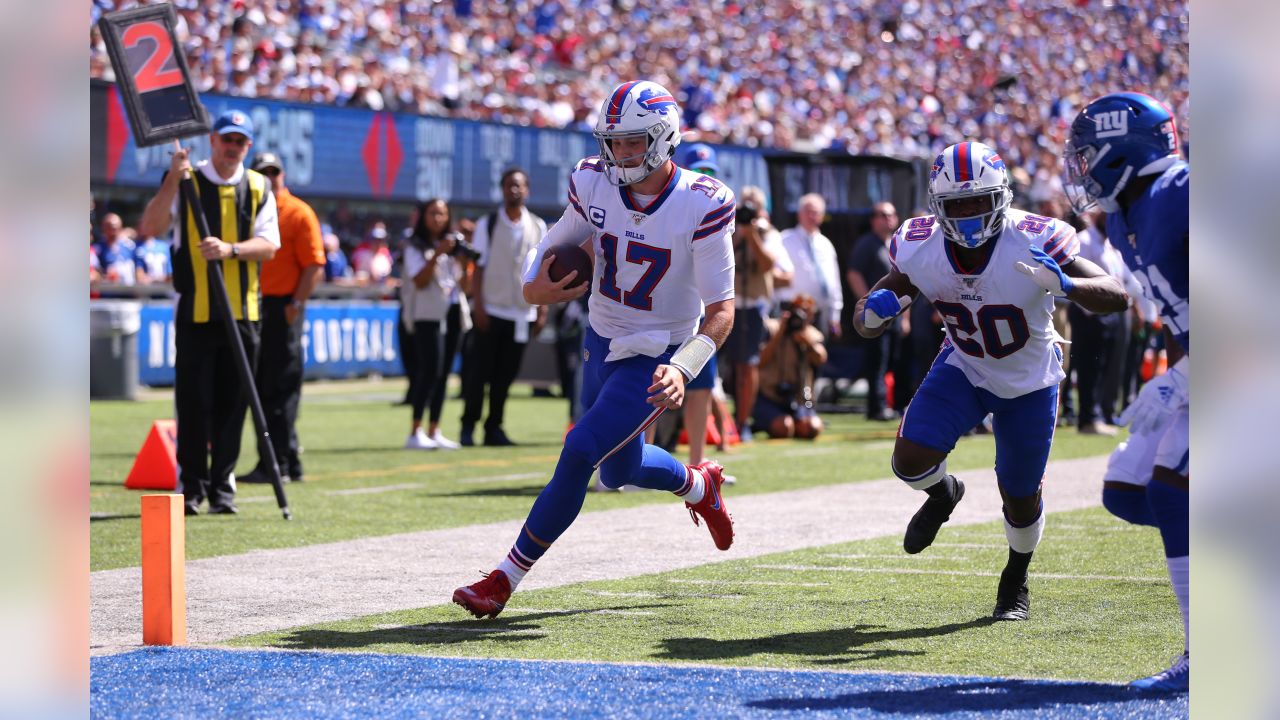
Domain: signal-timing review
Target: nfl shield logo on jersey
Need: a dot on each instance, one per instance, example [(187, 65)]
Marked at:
[(638, 218)]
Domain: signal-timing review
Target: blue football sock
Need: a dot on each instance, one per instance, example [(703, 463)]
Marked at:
[(1171, 507), (1129, 505)]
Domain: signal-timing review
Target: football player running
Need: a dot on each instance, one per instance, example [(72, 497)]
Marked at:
[(1123, 156), (992, 273), (662, 242)]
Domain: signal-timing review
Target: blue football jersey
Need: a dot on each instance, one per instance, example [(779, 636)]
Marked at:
[(1153, 236)]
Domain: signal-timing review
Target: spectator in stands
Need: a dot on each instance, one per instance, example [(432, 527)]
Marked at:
[(153, 261), (288, 279), (868, 263), (504, 322), (372, 260), (430, 279), (788, 366), (888, 78), (336, 268), (117, 253), (815, 267)]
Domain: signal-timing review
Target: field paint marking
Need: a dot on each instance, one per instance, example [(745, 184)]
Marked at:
[(501, 478), (922, 571), (709, 596), (911, 558), (376, 489), (746, 582), (414, 486), (431, 467), (978, 546)]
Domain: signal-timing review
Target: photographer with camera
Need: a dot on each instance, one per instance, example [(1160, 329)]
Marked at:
[(759, 259), (788, 366), (504, 322), (430, 279)]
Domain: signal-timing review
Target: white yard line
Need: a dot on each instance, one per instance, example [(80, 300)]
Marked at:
[(271, 590), (975, 573)]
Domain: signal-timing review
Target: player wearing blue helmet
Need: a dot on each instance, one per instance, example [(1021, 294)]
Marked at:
[(1123, 155)]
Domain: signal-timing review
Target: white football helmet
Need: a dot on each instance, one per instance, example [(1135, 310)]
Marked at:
[(638, 107), (963, 176)]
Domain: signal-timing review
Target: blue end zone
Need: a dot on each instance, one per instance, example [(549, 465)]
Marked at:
[(175, 683)]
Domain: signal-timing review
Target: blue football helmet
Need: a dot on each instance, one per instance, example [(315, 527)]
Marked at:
[(1114, 139)]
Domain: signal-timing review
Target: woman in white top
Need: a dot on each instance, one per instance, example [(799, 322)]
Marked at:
[(430, 278)]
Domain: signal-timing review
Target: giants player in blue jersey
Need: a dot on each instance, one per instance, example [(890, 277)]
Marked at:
[(1123, 156), (662, 241), (992, 273)]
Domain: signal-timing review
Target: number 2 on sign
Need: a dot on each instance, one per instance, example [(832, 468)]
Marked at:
[(152, 75)]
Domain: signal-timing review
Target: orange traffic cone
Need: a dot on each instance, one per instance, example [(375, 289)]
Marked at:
[(156, 466)]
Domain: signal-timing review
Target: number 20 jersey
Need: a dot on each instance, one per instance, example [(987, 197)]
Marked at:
[(998, 320), (656, 263)]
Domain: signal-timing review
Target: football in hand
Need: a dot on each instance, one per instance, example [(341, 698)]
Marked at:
[(570, 257)]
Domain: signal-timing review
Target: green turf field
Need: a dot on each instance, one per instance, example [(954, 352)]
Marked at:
[(360, 482), (1101, 610)]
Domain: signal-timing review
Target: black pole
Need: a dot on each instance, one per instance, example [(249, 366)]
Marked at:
[(223, 305)]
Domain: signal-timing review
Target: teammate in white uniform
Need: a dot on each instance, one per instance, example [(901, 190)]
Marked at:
[(992, 273), (662, 241)]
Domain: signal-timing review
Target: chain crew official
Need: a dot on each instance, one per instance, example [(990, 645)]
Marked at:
[(288, 280), (243, 232)]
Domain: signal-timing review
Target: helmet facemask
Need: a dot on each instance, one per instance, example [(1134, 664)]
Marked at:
[(971, 218), (626, 170), (1083, 189)]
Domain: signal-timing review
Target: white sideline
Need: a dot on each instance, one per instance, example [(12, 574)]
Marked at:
[(266, 590)]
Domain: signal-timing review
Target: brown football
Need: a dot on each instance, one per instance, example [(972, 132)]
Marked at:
[(569, 257)]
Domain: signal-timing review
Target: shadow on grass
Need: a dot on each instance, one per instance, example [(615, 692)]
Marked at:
[(102, 517), (824, 647), (522, 491), (513, 629), (1080, 699)]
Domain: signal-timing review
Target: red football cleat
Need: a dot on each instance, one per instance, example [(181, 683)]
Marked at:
[(487, 597), (712, 507)]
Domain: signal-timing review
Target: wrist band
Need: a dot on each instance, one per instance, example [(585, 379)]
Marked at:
[(693, 355)]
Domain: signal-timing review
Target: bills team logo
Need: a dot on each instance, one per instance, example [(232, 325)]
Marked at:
[(938, 164), (994, 161), (654, 101)]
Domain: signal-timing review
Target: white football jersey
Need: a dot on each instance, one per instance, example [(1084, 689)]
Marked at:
[(999, 321), (656, 263)]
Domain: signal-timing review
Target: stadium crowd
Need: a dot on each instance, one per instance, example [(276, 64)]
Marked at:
[(880, 77)]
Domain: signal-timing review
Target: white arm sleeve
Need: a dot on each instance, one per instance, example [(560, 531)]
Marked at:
[(713, 266), (571, 227)]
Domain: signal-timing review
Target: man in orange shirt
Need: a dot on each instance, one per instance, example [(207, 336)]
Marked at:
[(288, 280)]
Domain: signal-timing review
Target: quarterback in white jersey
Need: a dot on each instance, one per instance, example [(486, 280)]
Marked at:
[(662, 241), (992, 273)]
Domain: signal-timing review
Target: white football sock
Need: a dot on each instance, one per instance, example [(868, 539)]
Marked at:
[(925, 480), (514, 572), (1180, 578), (697, 488), (1025, 539)]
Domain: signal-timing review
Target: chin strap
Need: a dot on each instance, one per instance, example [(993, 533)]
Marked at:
[(693, 355)]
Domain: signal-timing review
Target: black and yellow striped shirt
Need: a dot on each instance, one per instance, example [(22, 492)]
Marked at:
[(234, 212)]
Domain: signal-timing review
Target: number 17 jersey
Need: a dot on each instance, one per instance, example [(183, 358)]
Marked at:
[(657, 260), (999, 321)]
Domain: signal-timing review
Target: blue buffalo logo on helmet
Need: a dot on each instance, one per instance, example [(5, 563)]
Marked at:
[(938, 164)]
